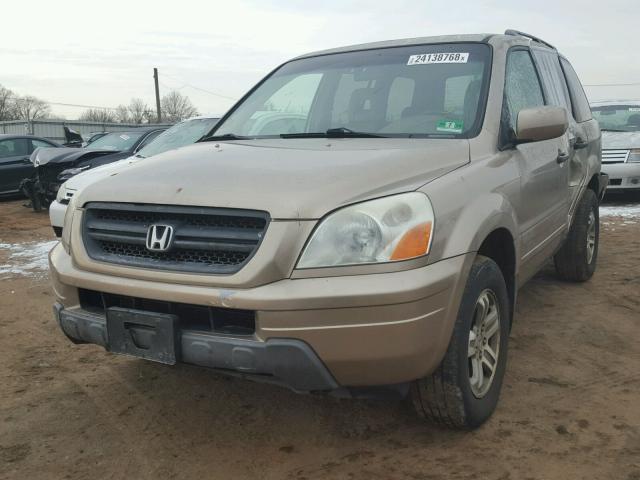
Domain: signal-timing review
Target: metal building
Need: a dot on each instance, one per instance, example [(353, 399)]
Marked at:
[(52, 129)]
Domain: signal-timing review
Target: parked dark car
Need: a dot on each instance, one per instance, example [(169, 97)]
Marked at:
[(54, 167), (14, 159)]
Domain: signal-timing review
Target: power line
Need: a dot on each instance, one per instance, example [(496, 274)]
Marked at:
[(612, 85), (79, 106), (199, 88)]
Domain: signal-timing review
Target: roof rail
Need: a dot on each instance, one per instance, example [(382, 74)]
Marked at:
[(517, 33)]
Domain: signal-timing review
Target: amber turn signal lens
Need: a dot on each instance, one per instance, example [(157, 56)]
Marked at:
[(413, 243)]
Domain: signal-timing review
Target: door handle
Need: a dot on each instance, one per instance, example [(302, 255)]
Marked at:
[(580, 143), (562, 157)]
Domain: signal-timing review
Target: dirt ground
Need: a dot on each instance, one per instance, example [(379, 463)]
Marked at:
[(570, 405)]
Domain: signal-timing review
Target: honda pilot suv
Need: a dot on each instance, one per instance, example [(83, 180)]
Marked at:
[(359, 222)]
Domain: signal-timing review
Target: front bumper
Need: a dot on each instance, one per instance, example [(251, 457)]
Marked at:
[(289, 362), (622, 176), (364, 330)]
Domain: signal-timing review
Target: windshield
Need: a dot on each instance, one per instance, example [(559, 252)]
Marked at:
[(184, 133), (116, 141), (623, 118), (417, 91)]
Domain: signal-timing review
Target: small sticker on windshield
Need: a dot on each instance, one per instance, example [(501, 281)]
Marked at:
[(124, 137), (430, 58), (450, 126), (634, 109)]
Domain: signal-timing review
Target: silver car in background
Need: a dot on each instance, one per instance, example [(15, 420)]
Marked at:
[(620, 125)]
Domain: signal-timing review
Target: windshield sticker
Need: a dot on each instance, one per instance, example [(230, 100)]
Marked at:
[(429, 58), (124, 137), (634, 109), (450, 126)]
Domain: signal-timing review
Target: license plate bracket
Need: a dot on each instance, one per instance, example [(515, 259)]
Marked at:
[(149, 335)]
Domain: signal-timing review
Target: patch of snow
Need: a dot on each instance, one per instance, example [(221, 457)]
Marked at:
[(624, 211), (25, 259)]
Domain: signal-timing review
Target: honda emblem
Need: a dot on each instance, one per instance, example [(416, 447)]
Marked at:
[(159, 238)]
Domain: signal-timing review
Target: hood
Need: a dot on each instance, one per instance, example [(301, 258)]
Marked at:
[(620, 140), (289, 178), (87, 177), (42, 156)]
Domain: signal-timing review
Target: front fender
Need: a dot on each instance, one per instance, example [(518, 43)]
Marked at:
[(471, 203)]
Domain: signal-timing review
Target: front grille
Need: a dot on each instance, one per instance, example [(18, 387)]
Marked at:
[(614, 182), (206, 240), (614, 156), (190, 317)]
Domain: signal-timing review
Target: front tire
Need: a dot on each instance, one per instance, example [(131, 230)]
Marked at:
[(576, 260), (463, 392)]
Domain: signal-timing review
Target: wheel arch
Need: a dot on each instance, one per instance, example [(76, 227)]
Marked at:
[(499, 245)]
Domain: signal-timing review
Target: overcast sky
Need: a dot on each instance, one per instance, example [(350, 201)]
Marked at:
[(103, 53)]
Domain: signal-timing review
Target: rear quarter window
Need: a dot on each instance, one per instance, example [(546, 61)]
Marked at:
[(581, 109)]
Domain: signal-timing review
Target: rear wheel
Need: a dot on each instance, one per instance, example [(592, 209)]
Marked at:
[(576, 260), (463, 392)]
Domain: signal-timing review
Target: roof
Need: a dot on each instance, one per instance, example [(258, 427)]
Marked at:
[(605, 103), (403, 42), (21, 135), (204, 117)]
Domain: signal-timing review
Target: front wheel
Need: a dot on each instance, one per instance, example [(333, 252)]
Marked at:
[(463, 392), (576, 260)]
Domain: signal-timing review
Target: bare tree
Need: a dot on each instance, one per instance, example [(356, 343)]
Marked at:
[(138, 110), (122, 114), (31, 108), (7, 104), (177, 107), (98, 115)]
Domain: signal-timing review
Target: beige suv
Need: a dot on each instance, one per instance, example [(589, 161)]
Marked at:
[(358, 223)]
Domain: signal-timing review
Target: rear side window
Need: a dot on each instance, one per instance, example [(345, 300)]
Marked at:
[(553, 78), (522, 87), (14, 147), (581, 109)]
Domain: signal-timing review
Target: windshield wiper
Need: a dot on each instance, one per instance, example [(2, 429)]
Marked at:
[(611, 130), (226, 136), (340, 132)]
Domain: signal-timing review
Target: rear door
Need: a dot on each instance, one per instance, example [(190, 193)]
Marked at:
[(14, 163), (543, 205), (587, 142), (557, 90)]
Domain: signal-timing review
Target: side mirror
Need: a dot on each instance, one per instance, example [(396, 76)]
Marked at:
[(541, 123)]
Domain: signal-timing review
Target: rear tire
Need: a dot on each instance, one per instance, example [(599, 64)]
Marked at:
[(576, 260), (463, 392)]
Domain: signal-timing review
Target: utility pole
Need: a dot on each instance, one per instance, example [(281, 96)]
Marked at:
[(155, 79)]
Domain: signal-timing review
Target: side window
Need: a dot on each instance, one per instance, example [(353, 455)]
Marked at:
[(581, 109), (14, 147), (39, 143), (522, 88), (400, 97), (149, 138), (553, 78)]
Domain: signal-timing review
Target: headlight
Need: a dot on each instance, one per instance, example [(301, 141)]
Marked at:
[(387, 229), (634, 155)]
